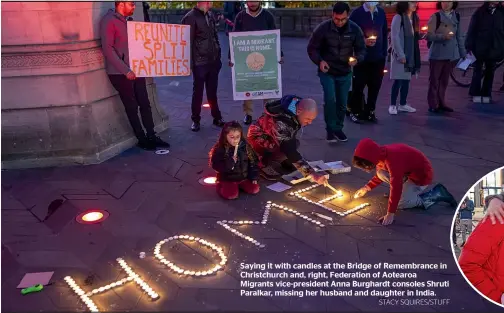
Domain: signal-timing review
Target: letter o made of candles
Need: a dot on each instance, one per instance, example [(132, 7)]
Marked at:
[(177, 269)]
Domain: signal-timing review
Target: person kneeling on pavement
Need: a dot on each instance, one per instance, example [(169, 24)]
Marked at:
[(235, 162), (273, 137), (408, 172)]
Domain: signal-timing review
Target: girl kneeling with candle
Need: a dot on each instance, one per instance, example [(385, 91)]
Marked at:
[(235, 162)]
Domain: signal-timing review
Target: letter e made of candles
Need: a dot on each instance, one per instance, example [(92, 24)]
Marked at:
[(157, 49)]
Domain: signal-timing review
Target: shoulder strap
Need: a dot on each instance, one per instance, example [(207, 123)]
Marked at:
[(438, 20)]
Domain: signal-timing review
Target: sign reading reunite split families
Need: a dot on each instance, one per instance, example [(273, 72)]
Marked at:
[(256, 72), (157, 49)]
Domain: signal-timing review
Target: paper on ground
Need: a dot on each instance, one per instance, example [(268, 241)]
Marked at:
[(279, 187), (31, 279)]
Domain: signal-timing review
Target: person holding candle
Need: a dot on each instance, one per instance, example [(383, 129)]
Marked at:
[(446, 47), (235, 162), (273, 137), (335, 46), (373, 22), (408, 173), (405, 56)]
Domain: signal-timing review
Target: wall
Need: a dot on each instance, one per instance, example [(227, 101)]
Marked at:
[(58, 107)]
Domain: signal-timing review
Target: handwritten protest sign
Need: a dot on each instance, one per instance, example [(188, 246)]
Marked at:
[(256, 72), (157, 49)]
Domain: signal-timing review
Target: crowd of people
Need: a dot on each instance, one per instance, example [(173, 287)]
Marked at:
[(347, 49)]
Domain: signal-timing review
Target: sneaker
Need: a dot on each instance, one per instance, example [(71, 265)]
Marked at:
[(476, 99), (486, 99), (340, 135), (330, 137), (195, 127), (269, 173), (406, 108), (247, 120), (372, 118), (158, 142), (392, 110), (445, 109), (218, 122), (146, 145), (354, 118)]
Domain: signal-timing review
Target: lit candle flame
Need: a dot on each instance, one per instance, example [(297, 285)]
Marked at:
[(372, 37), (351, 59), (424, 28)]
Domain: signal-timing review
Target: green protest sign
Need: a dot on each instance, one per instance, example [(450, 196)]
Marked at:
[(256, 72)]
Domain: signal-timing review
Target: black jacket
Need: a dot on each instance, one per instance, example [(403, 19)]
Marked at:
[(335, 46), (227, 170), (205, 46), (485, 35)]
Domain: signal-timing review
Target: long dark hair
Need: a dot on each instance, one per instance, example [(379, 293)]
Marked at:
[(363, 164), (402, 8), (222, 142)]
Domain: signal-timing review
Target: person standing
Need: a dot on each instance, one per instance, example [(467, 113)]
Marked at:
[(231, 9), (405, 56), (335, 46), (254, 18), (466, 212), (446, 48), (132, 90), (205, 61), (485, 40), (373, 22)]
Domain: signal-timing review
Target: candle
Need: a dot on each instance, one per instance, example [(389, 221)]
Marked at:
[(372, 37), (352, 59), (424, 28), (236, 150), (450, 33)]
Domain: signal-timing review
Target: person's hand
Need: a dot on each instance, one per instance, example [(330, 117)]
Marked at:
[(361, 192), (448, 36), (131, 75), (387, 219), (402, 60), (324, 67), (281, 60), (370, 42), (254, 182), (319, 178), (231, 64), (352, 61), (495, 210)]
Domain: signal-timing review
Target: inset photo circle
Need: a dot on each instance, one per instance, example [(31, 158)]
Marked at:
[(477, 236)]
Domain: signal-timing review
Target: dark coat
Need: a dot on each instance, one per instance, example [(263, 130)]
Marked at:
[(485, 35), (205, 46), (327, 43), (227, 170)]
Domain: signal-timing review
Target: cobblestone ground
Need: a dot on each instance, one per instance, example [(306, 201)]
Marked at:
[(151, 197)]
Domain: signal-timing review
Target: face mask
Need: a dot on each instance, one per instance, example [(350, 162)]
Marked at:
[(371, 4)]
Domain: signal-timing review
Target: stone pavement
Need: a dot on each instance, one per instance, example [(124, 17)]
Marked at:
[(151, 197)]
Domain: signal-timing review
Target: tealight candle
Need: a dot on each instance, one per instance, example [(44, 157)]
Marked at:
[(352, 59), (372, 37)]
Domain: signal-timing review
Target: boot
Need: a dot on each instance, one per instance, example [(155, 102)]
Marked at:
[(437, 194)]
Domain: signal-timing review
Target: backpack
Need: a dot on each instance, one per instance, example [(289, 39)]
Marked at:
[(438, 23)]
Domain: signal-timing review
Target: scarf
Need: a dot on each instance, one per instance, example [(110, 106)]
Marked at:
[(411, 46)]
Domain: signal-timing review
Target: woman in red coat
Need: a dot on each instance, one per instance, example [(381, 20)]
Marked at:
[(406, 170), (482, 259)]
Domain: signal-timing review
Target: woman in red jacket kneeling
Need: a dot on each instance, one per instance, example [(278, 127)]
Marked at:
[(482, 258), (408, 172)]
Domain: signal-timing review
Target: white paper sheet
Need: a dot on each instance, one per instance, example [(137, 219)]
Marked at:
[(463, 64), (279, 187), (31, 279)]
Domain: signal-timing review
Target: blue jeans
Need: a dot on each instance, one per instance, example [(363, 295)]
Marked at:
[(335, 99), (399, 85)]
